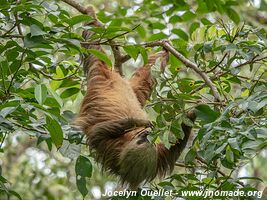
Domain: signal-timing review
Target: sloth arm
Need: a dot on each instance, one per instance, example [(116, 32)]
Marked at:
[(142, 81), (142, 84), (168, 157), (114, 129)]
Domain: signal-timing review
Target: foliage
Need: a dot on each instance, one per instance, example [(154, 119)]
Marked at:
[(42, 83)]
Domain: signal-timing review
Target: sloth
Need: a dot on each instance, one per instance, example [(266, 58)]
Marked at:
[(116, 126)]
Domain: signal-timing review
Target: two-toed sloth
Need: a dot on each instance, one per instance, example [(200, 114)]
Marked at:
[(116, 126)]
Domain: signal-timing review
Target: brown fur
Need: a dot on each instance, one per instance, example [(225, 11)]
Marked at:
[(115, 124)]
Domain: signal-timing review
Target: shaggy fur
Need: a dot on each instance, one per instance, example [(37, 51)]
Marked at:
[(116, 126)]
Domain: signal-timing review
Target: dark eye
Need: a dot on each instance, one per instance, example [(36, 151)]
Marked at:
[(142, 138), (144, 133)]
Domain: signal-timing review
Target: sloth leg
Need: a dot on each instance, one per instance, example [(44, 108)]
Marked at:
[(92, 65), (142, 83)]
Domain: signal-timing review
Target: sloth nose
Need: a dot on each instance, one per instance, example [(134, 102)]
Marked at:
[(142, 138)]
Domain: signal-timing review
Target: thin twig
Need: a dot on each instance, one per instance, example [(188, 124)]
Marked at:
[(253, 60), (3, 78), (122, 34), (2, 142), (11, 36), (10, 30), (185, 166), (249, 61), (251, 79), (218, 64), (58, 79), (255, 84), (40, 131), (15, 74), (18, 24)]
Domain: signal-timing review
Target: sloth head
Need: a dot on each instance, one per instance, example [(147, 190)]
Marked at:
[(130, 156), (138, 159)]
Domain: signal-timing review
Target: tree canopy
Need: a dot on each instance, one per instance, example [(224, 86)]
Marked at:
[(217, 66)]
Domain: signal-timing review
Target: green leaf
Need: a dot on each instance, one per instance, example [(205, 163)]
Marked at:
[(78, 19), (186, 85), (55, 131), (210, 5), (51, 102), (83, 167), (233, 15), (176, 129), (40, 93), (174, 19), (49, 144), (158, 25), (188, 15), (253, 145), (56, 97), (13, 193), (132, 50), (206, 114), (6, 111), (180, 33), (102, 16), (141, 31), (220, 6), (144, 54), (229, 154), (205, 21), (102, 56), (251, 178), (69, 92), (81, 185), (36, 30), (35, 41), (193, 27), (208, 180), (157, 36), (190, 156), (12, 54), (165, 139), (70, 150), (175, 64)]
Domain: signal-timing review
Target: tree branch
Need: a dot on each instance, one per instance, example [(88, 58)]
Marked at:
[(218, 64), (76, 5), (188, 63)]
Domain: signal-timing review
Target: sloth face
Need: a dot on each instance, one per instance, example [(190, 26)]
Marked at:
[(138, 160)]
